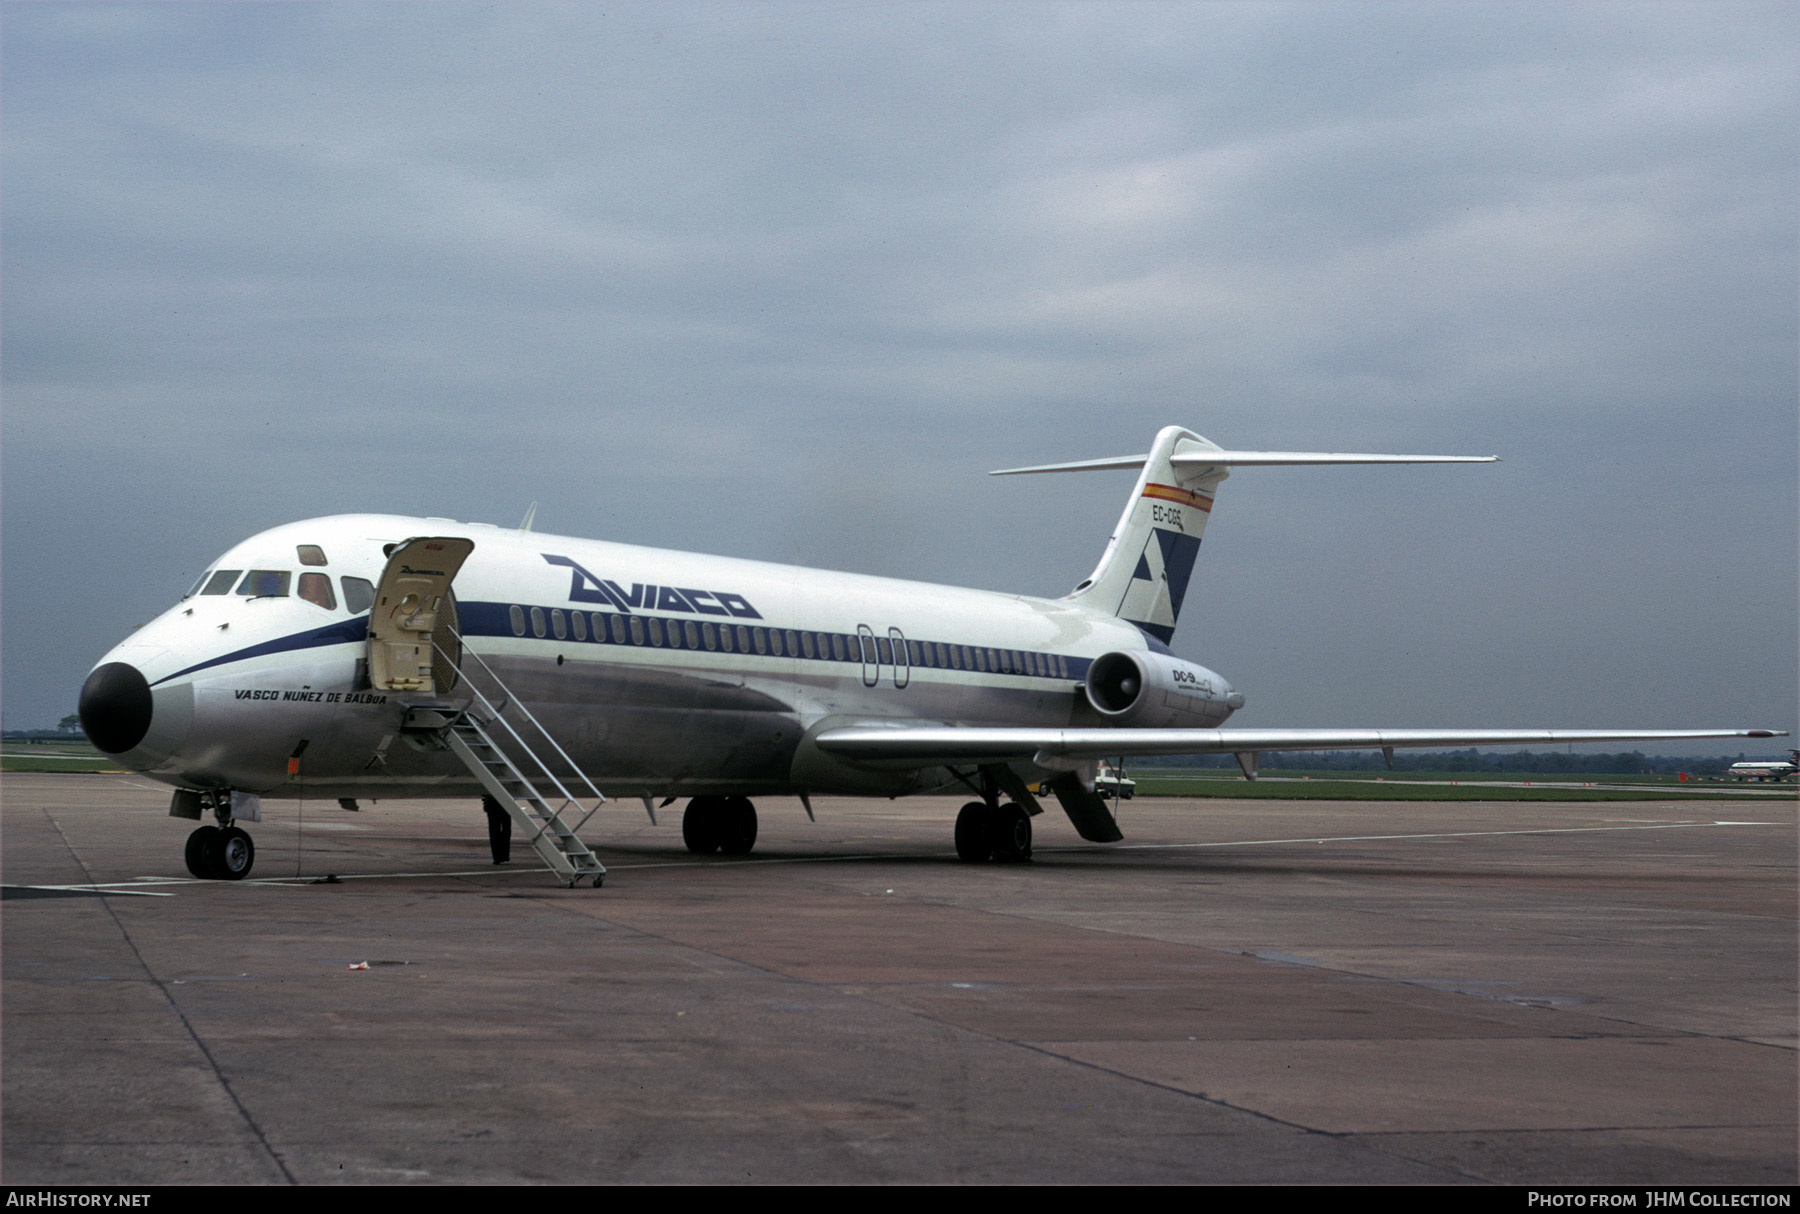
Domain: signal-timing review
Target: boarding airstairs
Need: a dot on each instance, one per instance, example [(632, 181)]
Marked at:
[(539, 804)]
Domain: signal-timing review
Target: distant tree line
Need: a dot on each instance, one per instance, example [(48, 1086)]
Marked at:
[(1631, 763)]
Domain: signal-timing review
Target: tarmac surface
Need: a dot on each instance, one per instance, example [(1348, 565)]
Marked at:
[(1244, 992)]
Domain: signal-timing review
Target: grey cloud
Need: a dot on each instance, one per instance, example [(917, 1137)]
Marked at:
[(786, 283)]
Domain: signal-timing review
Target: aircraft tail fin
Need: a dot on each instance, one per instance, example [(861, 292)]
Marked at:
[(1144, 573)]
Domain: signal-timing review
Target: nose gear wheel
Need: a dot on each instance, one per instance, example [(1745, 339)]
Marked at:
[(213, 854)]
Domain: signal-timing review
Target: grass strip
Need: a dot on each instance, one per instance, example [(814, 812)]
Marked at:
[(65, 764), (1370, 790)]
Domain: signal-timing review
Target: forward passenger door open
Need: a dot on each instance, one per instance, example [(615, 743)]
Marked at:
[(414, 616)]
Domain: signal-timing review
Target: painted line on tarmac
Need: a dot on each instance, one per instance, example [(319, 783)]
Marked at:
[(527, 871), (610, 869), (113, 888), (1454, 834)]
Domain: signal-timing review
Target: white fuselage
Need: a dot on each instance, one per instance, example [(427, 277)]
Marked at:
[(767, 657)]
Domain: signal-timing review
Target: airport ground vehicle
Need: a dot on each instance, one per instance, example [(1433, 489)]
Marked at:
[(1109, 781)]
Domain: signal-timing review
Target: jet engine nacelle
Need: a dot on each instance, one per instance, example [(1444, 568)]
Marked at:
[(1155, 691)]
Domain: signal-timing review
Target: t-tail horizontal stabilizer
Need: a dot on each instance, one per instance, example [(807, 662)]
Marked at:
[(1144, 573), (1248, 459)]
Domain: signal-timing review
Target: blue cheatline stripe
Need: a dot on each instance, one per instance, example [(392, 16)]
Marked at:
[(493, 620), (340, 633)]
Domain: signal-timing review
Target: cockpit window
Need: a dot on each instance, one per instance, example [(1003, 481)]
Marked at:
[(221, 581), (311, 554), (265, 584), (195, 588), (315, 588), (359, 595)]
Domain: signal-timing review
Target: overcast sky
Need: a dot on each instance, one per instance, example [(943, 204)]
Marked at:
[(785, 281)]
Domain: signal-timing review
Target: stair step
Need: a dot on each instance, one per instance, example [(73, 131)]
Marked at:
[(561, 850)]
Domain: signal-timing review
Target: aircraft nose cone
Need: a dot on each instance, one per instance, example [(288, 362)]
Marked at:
[(115, 707)]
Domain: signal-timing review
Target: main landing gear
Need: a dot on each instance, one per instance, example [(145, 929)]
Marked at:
[(220, 854), (998, 833), (719, 824)]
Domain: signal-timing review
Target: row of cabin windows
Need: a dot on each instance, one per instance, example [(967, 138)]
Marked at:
[(315, 588), (609, 628)]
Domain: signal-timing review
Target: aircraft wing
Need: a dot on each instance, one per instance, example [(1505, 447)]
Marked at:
[(915, 745)]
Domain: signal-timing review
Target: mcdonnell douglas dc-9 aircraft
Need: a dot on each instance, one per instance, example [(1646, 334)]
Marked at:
[(370, 656)]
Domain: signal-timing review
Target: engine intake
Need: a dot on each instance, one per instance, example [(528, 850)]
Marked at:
[(1156, 691)]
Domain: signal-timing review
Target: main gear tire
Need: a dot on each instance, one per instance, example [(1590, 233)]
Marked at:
[(234, 854), (199, 844), (1011, 835), (737, 826), (975, 833), (700, 825)]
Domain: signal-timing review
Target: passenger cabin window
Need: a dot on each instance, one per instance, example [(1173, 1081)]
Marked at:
[(315, 588), (311, 554), (221, 581), (515, 614), (359, 595), (265, 584)]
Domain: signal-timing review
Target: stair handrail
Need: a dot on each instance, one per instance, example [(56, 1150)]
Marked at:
[(555, 818), (568, 797), (599, 796)]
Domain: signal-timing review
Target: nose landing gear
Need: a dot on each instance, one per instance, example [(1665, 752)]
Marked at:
[(215, 854)]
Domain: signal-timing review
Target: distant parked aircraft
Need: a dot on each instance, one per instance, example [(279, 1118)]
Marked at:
[(1773, 770)]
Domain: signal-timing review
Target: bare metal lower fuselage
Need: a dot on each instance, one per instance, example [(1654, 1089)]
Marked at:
[(634, 730)]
